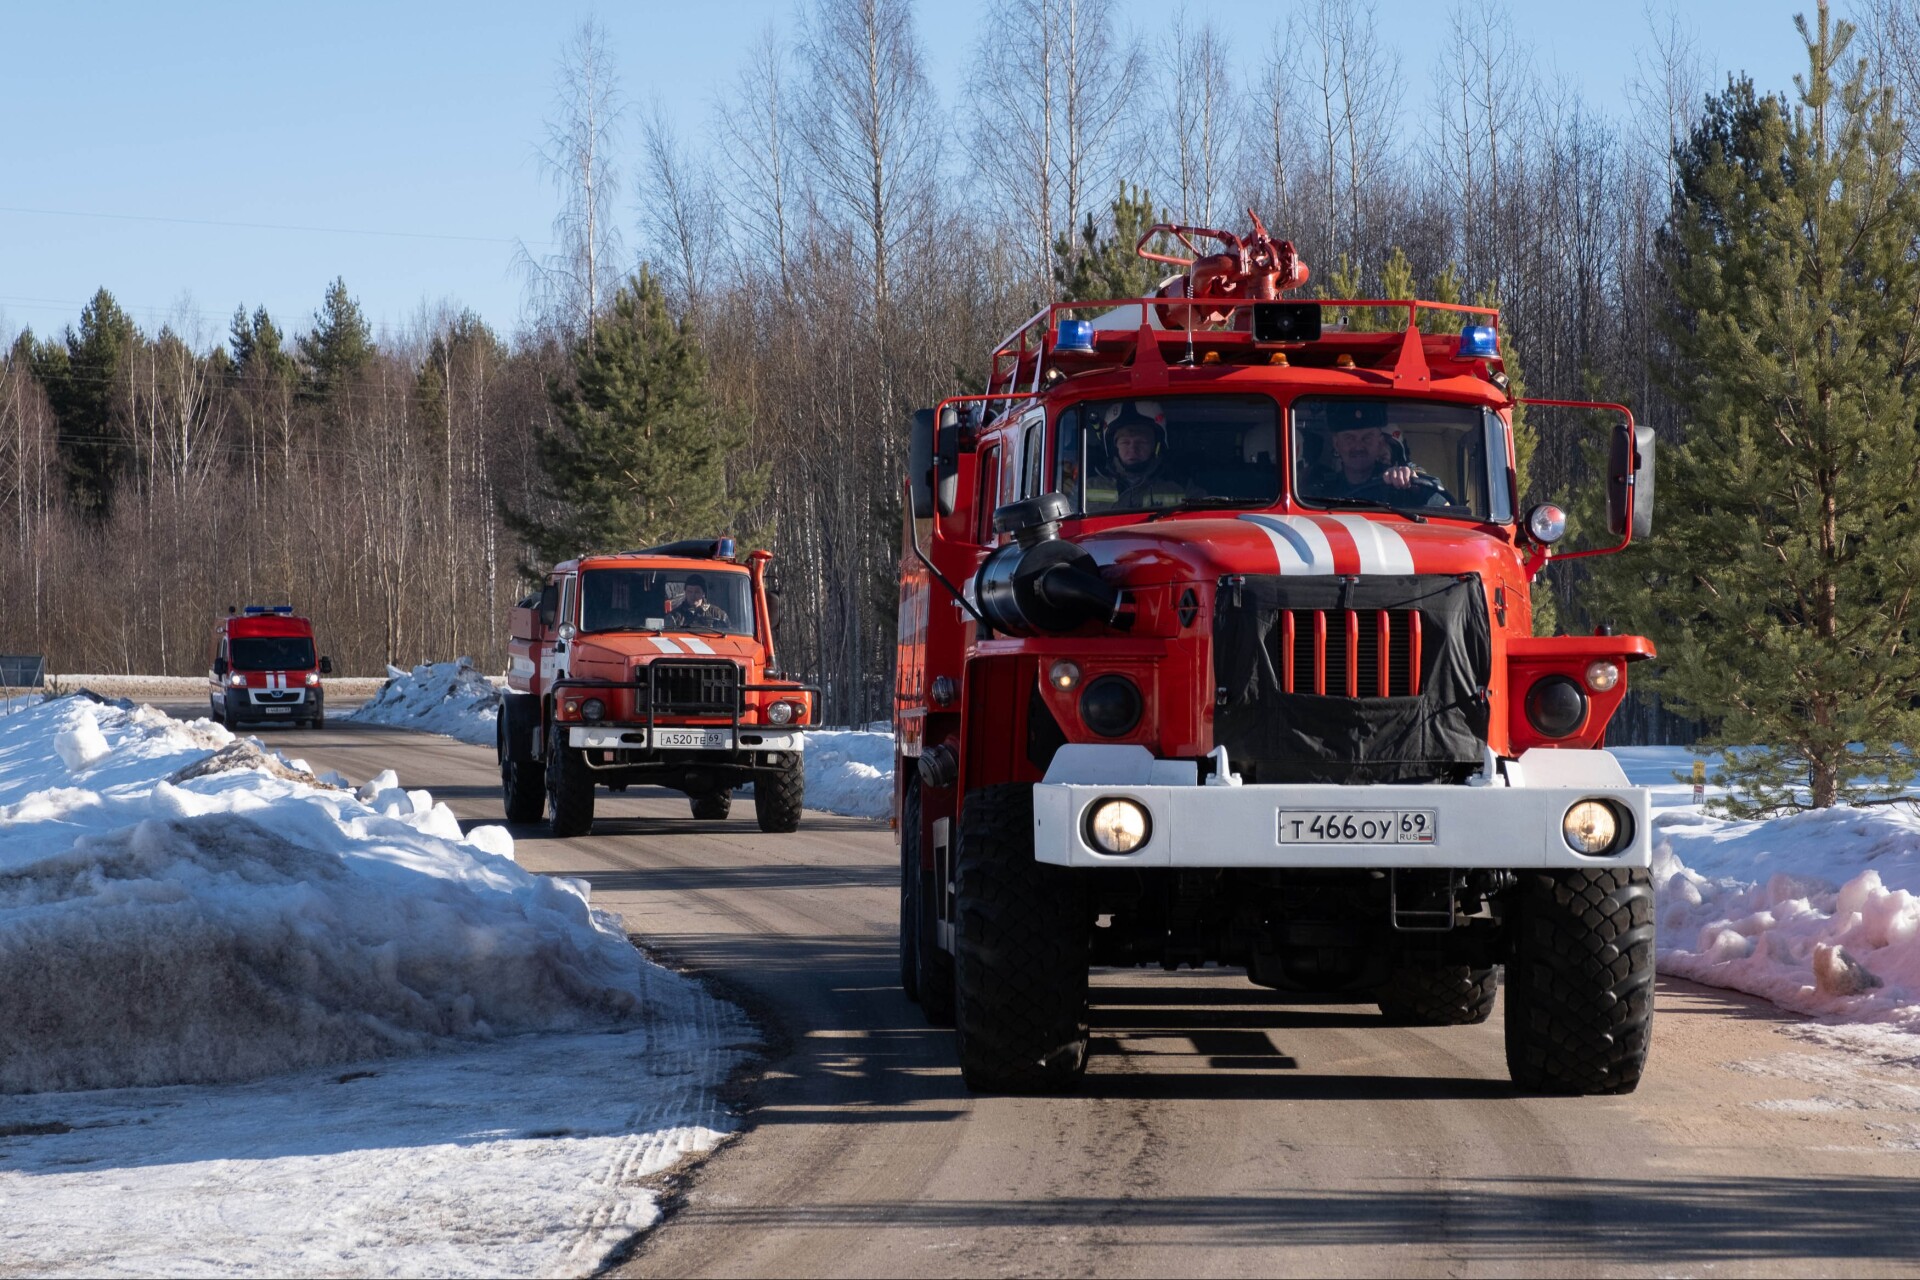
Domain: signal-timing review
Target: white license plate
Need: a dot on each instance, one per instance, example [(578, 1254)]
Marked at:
[(693, 739), (1358, 826), (278, 711)]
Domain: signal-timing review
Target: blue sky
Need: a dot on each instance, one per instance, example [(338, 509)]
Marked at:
[(421, 119)]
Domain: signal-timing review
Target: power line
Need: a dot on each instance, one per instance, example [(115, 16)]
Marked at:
[(271, 226)]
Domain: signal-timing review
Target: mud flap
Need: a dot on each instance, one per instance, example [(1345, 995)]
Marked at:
[(520, 727)]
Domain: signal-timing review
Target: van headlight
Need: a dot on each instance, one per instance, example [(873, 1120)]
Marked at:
[(1590, 827), (313, 678), (1118, 826)]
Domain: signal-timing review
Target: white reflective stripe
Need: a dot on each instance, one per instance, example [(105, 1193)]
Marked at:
[(1382, 549), (665, 645), (1299, 543), (697, 645)]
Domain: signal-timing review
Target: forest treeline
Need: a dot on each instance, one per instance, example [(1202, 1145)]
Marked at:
[(836, 245)]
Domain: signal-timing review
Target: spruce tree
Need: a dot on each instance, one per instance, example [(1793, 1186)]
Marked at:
[(1101, 266), (639, 453), (82, 378), (1780, 583)]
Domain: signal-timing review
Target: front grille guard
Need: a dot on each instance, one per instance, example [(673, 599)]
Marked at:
[(650, 752)]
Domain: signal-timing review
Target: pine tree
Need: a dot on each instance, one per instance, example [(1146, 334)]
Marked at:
[(1781, 583), (258, 346), (1106, 266), (340, 346), (82, 379), (639, 455)]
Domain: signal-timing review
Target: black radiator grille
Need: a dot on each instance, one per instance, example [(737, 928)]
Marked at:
[(694, 688), (1341, 652)]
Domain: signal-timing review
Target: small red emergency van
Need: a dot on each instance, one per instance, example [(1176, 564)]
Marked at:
[(265, 669)]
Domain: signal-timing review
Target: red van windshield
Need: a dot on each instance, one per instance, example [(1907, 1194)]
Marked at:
[(270, 653)]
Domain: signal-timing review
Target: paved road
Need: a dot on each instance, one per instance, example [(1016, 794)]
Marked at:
[(1221, 1129)]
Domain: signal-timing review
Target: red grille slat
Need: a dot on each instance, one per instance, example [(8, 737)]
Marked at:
[(1384, 631), (1286, 650), (1319, 651), (1413, 655), (1353, 654)]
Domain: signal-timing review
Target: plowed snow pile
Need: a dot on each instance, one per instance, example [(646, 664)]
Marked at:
[(436, 697), (1818, 911), (179, 908)]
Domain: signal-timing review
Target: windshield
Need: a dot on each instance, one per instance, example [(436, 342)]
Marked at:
[(666, 600), (1406, 454), (270, 653), (1154, 455)]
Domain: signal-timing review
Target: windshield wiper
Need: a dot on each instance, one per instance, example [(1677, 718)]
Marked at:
[(1207, 504), (1368, 504)]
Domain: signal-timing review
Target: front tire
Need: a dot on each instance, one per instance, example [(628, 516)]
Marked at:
[(712, 806), (1580, 981), (523, 785), (926, 971), (569, 788), (1020, 975), (1454, 995), (778, 795)]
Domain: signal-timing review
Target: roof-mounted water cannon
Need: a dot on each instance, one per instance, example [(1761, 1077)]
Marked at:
[(1041, 582), (1257, 268)]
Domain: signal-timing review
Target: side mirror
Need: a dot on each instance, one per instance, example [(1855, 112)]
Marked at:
[(326, 665), (920, 465), (1630, 480), (549, 604), (946, 454), (219, 666)]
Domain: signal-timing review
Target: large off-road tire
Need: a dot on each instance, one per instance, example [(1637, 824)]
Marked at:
[(711, 806), (1453, 995), (569, 788), (778, 793), (1580, 981), (1020, 976), (523, 784), (925, 970)]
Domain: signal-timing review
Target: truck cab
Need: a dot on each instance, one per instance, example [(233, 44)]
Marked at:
[(1216, 648), (264, 668), (656, 668)]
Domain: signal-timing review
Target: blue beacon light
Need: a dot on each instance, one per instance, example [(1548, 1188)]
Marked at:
[(1478, 342), (1076, 336)]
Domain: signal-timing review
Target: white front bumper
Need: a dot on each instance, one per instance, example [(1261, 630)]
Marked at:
[(1507, 823), (626, 738)]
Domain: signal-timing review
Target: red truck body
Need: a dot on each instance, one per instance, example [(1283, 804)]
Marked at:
[(1215, 646), (263, 667)]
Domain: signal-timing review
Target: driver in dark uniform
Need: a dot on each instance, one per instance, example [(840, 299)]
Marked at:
[(1365, 464), (694, 611)]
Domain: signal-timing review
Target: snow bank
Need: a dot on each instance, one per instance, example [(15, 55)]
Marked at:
[(437, 697), (850, 771), (237, 923)]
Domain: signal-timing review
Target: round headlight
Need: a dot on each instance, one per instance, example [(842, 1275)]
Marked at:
[(1110, 705), (237, 680), (1118, 826), (1556, 706), (1547, 523), (1602, 675), (780, 713), (1063, 675), (593, 709), (1590, 827)]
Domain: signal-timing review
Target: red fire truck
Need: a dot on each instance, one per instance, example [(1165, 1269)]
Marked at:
[(651, 668), (263, 669), (1215, 646)]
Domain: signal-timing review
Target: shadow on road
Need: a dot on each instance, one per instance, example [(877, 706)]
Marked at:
[(1521, 1221)]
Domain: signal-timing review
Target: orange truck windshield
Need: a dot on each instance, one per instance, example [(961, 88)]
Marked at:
[(678, 599)]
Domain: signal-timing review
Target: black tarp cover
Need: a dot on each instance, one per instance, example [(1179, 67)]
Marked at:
[(1274, 736)]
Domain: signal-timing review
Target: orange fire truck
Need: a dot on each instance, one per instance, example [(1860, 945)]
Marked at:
[(651, 668), (1215, 646), (263, 668)]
